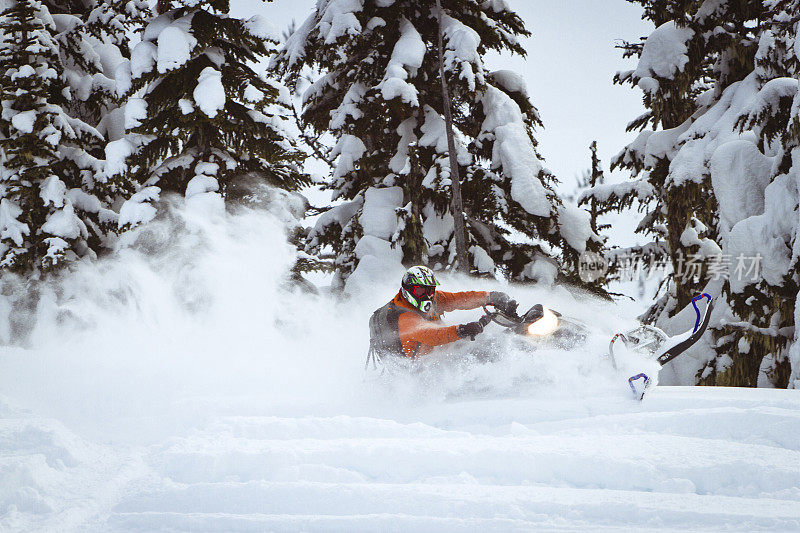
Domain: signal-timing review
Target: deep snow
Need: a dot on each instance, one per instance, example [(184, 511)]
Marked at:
[(179, 387)]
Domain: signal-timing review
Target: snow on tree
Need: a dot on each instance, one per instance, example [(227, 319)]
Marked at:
[(379, 94), (56, 202), (719, 80), (198, 114), (591, 178), (756, 179), (93, 41)]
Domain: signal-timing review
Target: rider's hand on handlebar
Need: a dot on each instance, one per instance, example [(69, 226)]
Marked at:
[(470, 329), (503, 303)]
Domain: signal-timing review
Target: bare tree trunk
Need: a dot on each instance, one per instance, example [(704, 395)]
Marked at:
[(457, 205)]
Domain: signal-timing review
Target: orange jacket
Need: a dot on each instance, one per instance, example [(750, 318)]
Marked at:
[(419, 334)]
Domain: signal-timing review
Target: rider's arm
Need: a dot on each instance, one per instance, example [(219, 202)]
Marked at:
[(417, 335), (450, 301)]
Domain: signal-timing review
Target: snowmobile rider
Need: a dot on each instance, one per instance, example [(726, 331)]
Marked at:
[(410, 325)]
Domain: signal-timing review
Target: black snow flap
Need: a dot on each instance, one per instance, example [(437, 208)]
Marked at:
[(682, 346)]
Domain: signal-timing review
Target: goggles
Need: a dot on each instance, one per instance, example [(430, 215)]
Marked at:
[(423, 291)]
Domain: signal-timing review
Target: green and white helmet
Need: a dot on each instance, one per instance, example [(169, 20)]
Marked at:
[(419, 286)]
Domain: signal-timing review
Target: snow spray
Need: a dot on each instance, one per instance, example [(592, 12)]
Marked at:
[(194, 317)]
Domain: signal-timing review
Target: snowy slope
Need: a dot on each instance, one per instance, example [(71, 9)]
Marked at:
[(490, 465), (180, 388), (687, 459)]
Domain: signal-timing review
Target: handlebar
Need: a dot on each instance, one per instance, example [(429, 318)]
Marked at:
[(484, 320), (508, 321), (511, 320)]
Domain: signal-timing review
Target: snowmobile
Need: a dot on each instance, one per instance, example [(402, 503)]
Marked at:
[(538, 328), (542, 327)]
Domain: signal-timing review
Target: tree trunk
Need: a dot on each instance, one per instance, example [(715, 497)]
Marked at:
[(595, 175), (456, 205)]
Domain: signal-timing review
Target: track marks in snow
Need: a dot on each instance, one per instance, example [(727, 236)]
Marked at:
[(765, 426), (426, 506), (687, 458), (627, 461), (52, 480), (562, 465)]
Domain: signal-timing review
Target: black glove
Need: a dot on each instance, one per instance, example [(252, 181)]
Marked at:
[(470, 329), (503, 303)]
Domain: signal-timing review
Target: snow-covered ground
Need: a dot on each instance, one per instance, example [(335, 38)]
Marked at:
[(686, 459), (180, 388)]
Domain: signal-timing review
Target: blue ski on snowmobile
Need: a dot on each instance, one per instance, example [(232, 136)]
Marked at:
[(659, 346)]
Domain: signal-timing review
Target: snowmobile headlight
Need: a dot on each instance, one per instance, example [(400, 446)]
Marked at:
[(545, 325)]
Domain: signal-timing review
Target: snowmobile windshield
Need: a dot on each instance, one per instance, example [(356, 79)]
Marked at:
[(505, 321)]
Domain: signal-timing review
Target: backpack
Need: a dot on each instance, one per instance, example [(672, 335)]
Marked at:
[(384, 333)]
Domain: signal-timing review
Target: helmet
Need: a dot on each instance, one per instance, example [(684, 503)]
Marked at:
[(418, 287)]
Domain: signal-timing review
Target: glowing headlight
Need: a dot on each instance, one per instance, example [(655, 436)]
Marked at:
[(545, 325)]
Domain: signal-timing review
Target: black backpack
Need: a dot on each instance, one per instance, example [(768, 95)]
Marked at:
[(384, 333)]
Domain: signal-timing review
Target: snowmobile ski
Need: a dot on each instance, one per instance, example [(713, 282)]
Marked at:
[(660, 346), (639, 394), (700, 327)]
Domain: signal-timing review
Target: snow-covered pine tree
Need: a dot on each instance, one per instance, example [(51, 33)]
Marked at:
[(584, 195), (198, 114), (379, 94), (590, 182), (788, 31), (718, 91), (56, 202), (756, 178), (593, 177), (674, 64)]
